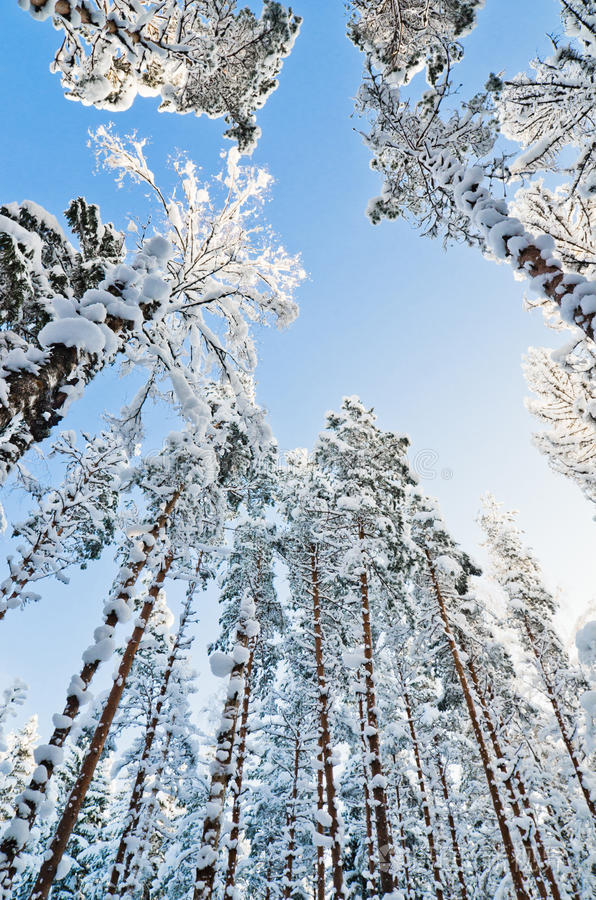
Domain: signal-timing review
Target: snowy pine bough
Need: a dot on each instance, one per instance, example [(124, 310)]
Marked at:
[(435, 154), (207, 58)]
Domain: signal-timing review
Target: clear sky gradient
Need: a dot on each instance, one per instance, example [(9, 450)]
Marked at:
[(431, 339)]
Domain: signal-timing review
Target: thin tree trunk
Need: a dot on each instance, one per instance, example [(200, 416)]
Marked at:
[(134, 806), (320, 865), (131, 865), (428, 825), (221, 773), (452, 830), (514, 802), (517, 876), (237, 785), (70, 815), (384, 840), (291, 825), (27, 809), (561, 723), (370, 843), (402, 835), (325, 734)]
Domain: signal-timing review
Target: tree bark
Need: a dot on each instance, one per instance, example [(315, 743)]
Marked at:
[(134, 806), (517, 875), (36, 401), (370, 844), (428, 825), (221, 775), (320, 864), (384, 839), (291, 826), (70, 815), (325, 734), (27, 810), (237, 785), (514, 802), (486, 213)]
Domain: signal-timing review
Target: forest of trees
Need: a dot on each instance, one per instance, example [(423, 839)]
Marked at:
[(391, 724)]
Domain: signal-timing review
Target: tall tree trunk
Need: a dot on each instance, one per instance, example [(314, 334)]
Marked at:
[(428, 825), (134, 806), (554, 702), (27, 809), (71, 812), (370, 843), (320, 864), (291, 825), (451, 821), (384, 839), (507, 779), (517, 875), (402, 836), (221, 769), (325, 734), (128, 882), (237, 783)]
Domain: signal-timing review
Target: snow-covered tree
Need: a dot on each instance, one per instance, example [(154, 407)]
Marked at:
[(16, 766), (196, 56), (180, 304), (434, 154), (71, 523), (564, 398), (531, 608)]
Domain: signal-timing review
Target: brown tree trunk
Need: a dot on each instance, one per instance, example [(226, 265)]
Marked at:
[(402, 835), (134, 806), (517, 876), (384, 840), (71, 812), (530, 261), (428, 825), (221, 775), (320, 865), (507, 779), (291, 826), (452, 830), (237, 784), (370, 843), (325, 734), (561, 723), (36, 400), (128, 884), (27, 810)]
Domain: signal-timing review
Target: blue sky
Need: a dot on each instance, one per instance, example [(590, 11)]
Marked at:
[(431, 339)]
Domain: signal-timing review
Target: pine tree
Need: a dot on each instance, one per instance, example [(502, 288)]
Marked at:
[(434, 154), (530, 609), (191, 292), (71, 523), (200, 57)]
